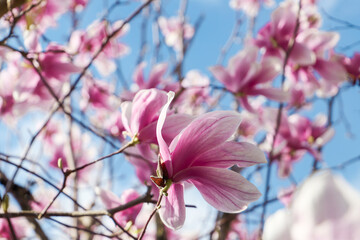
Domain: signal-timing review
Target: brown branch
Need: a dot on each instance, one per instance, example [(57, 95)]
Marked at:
[(146, 198), (278, 119)]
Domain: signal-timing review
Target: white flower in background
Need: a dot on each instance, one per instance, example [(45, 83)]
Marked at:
[(324, 207)]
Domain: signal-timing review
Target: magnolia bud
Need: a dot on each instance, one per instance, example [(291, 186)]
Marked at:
[(5, 203), (60, 164)]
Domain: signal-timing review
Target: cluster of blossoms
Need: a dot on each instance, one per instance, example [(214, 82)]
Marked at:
[(169, 123)]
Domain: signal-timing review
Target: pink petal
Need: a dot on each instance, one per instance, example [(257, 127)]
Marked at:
[(224, 77), (126, 115), (270, 68), (245, 104), (172, 211), (331, 71), (109, 199), (230, 153), (156, 74), (173, 125), (240, 64), (302, 55), (138, 75), (317, 40), (163, 147), (145, 108), (202, 134), (272, 93), (224, 189)]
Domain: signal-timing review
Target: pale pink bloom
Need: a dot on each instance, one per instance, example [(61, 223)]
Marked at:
[(55, 67), (238, 230), (352, 66), (14, 101), (31, 40), (111, 201), (320, 43), (331, 71), (85, 43), (114, 126), (250, 124), (156, 79), (140, 116), (245, 77), (201, 155), (250, 7), (174, 31), (298, 135), (56, 145), (55, 64), (45, 15), (196, 94), (297, 97), (325, 206), (20, 227), (274, 37), (156, 76), (96, 94)]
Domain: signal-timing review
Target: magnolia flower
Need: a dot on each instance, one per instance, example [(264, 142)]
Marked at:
[(96, 94), (250, 7), (245, 77), (19, 225), (296, 136), (324, 207), (174, 30), (275, 36), (352, 66), (201, 155), (85, 43)]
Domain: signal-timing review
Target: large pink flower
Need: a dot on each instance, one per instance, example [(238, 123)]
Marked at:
[(245, 77), (201, 155)]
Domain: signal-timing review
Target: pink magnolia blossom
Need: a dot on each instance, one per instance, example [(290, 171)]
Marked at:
[(45, 15), (250, 7), (55, 67), (245, 77), (86, 43), (238, 230), (156, 75), (325, 206), (275, 36), (139, 117), (20, 228), (174, 31), (352, 66), (298, 135), (201, 155), (56, 145), (56, 64), (156, 79), (196, 94), (96, 94), (111, 201), (114, 126)]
